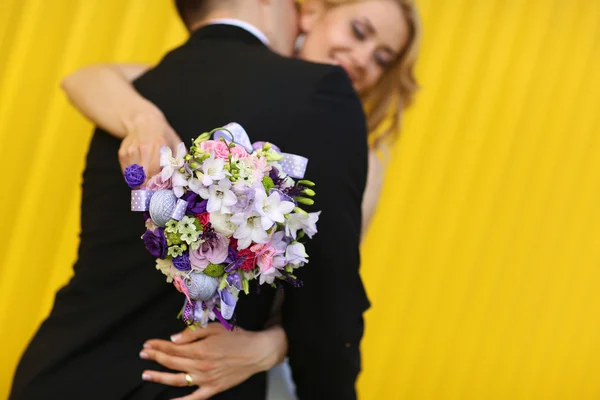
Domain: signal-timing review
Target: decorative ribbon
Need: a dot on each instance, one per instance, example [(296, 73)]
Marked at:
[(179, 210), (293, 165), (140, 201), (228, 303)]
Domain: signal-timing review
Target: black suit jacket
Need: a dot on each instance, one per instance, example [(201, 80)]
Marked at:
[(88, 347)]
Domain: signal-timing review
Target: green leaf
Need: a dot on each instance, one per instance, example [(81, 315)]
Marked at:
[(268, 183), (223, 283)]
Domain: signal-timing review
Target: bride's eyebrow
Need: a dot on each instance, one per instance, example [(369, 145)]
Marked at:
[(369, 25), (371, 28)]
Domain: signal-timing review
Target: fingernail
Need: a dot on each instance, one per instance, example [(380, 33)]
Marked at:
[(175, 337), (146, 377), (147, 346), (143, 355)]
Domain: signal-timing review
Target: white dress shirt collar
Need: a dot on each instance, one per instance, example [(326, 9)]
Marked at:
[(244, 25)]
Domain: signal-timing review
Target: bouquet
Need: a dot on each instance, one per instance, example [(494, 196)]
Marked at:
[(222, 215)]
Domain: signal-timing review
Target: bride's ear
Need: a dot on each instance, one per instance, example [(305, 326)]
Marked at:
[(310, 12)]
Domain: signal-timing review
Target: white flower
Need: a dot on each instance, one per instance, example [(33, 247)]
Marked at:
[(271, 209), (222, 223), (190, 237), (186, 225), (249, 230), (179, 182), (297, 221), (220, 197), (197, 187), (164, 266), (295, 255), (212, 170), (269, 276), (169, 163)]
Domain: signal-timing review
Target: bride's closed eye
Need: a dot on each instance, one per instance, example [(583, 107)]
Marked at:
[(359, 31)]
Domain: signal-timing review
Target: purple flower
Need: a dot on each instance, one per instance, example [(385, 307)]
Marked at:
[(134, 176), (287, 277), (156, 243), (196, 205), (274, 175), (212, 251), (182, 262), (232, 255)]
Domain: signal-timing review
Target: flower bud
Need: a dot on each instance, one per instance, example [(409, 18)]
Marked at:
[(300, 211), (304, 200), (306, 183)]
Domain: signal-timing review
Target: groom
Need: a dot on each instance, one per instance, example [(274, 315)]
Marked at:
[(88, 347)]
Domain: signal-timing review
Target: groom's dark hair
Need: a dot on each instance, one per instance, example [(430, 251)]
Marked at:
[(191, 11)]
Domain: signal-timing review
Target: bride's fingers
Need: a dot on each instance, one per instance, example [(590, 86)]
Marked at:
[(188, 335), (166, 360), (165, 378), (177, 350)]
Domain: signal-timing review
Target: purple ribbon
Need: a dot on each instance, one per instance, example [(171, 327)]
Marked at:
[(222, 320), (235, 281), (188, 312), (179, 211), (236, 264), (140, 200), (291, 164), (234, 132), (228, 303)]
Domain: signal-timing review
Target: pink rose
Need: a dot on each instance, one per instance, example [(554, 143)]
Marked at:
[(213, 251), (221, 150), (216, 146), (156, 183), (239, 152)]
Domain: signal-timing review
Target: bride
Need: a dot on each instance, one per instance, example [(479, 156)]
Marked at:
[(375, 41)]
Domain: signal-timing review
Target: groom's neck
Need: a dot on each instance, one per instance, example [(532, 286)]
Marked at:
[(245, 11)]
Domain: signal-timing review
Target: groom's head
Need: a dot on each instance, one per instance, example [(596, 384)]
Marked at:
[(276, 18)]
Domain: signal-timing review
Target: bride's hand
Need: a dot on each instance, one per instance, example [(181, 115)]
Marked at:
[(215, 358), (146, 133)]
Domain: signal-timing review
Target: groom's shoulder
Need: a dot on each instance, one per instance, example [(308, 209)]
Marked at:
[(314, 77)]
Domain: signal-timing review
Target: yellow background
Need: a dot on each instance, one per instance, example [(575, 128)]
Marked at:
[(483, 260)]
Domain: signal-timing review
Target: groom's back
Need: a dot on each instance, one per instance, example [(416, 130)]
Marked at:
[(222, 74)]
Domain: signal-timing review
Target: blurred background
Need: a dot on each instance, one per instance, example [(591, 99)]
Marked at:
[(483, 261)]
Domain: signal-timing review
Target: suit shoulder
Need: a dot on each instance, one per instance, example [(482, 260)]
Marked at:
[(314, 77)]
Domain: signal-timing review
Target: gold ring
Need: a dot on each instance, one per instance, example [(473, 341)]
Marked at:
[(189, 380)]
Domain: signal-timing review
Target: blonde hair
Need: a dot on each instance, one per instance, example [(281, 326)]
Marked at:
[(396, 89)]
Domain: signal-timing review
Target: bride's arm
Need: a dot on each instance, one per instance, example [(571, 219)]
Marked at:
[(373, 190), (104, 94)]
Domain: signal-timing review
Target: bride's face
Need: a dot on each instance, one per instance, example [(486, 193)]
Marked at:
[(363, 37)]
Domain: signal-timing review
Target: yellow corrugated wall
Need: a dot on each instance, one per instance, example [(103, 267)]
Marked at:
[(483, 260)]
